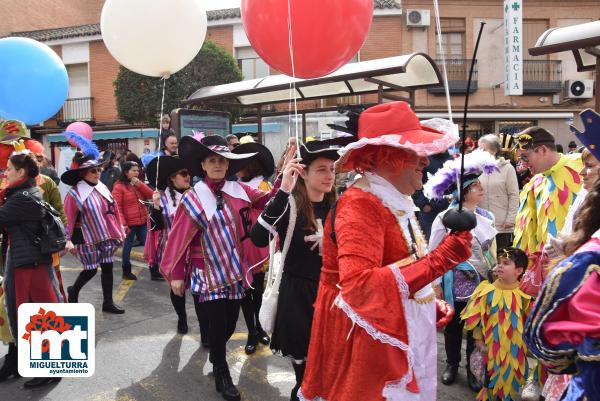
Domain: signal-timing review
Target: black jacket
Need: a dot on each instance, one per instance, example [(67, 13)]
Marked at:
[(21, 219)]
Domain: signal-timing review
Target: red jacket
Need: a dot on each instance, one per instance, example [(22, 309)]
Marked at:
[(127, 196)]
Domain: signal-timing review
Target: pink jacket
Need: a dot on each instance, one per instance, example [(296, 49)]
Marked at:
[(184, 245)]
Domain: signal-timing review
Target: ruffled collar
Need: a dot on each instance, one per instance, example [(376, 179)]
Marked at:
[(390, 196)]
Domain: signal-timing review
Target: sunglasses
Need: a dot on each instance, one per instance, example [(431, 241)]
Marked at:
[(182, 173), (95, 170)]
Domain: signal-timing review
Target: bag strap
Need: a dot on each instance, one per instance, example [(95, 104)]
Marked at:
[(332, 219)]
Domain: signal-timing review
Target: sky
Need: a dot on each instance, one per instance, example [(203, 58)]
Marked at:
[(221, 4)]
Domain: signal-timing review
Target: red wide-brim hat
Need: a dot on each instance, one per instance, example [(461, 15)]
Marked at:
[(396, 125)]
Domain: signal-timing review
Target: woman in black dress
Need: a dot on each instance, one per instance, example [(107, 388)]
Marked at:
[(311, 181)]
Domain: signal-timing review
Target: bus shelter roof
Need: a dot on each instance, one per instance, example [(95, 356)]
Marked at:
[(400, 73)]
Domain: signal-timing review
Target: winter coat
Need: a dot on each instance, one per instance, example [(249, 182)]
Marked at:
[(21, 218), (128, 197), (501, 195)]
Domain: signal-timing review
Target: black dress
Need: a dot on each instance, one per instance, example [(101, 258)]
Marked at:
[(300, 279)]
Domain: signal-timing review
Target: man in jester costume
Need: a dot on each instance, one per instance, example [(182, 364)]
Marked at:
[(563, 330), (545, 200), (496, 314)]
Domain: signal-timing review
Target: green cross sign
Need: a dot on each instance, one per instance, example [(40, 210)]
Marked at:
[(516, 6)]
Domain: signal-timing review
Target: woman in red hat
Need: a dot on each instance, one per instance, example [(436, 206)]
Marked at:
[(374, 329)]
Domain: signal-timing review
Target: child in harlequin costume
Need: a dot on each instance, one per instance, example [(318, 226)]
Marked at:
[(373, 333), (458, 284), (94, 229), (203, 248), (545, 200), (496, 314)]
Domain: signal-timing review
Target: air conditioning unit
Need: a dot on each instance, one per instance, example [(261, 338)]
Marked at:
[(579, 89), (418, 18)]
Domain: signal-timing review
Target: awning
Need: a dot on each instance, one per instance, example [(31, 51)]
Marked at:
[(107, 135), (496, 115), (582, 39), (401, 73)]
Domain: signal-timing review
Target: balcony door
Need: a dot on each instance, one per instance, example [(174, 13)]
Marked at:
[(535, 69), (78, 106)]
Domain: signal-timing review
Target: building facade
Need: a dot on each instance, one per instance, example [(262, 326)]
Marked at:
[(547, 100)]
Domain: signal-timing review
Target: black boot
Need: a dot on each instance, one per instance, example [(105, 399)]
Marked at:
[(155, 274), (72, 295), (11, 364), (251, 344), (263, 337), (449, 375), (82, 278), (182, 327), (41, 381), (107, 285), (127, 274), (224, 384), (472, 381)]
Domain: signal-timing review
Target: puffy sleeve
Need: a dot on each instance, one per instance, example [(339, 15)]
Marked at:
[(273, 220), (372, 294), (119, 197), (145, 191), (177, 249)]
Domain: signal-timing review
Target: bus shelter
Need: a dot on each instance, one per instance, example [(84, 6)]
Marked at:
[(393, 78)]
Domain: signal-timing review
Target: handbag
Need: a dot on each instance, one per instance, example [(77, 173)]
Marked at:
[(534, 276), (268, 310)]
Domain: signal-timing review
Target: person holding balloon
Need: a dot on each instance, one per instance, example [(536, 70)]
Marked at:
[(203, 248)]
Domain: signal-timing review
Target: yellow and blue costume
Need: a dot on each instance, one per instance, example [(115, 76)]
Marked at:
[(497, 313)]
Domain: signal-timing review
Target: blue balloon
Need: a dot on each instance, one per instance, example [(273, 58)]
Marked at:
[(34, 83)]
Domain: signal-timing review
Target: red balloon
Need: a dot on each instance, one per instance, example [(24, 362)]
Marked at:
[(326, 34)]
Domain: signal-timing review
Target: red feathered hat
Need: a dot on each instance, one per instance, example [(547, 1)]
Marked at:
[(395, 124)]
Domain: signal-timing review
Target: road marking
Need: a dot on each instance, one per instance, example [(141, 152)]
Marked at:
[(126, 285)]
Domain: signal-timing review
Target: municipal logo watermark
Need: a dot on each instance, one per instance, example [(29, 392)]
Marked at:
[(56, 340)]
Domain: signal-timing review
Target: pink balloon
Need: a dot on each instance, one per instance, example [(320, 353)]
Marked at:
[(82, 129)]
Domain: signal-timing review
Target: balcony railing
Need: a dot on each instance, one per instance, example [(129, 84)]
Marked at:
[(76, 109), (542, 76), (458, 75)]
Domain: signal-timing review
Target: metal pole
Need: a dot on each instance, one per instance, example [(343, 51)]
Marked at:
[(597, 84)]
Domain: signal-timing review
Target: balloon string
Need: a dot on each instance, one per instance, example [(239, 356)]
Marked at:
[(162, 108), (438, 27), (291, 46)]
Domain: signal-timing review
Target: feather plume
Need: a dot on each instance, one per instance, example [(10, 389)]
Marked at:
[(148, 157), (477, 162), (88, 147)]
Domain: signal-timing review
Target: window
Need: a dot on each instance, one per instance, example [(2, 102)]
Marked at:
[(251, 65), (452, 38)]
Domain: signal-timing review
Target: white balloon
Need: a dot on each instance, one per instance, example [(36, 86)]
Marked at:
[(153, 37)]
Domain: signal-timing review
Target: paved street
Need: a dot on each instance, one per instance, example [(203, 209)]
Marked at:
[(139, 355)]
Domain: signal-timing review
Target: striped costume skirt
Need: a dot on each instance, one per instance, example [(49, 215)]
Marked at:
[(92, 255)]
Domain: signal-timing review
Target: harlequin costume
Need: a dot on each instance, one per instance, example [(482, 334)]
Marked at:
[(496, 313), (204, 246), (459, 283), (373, 334), (545, 199), (257, 258), (94, 226), (563, 330)]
